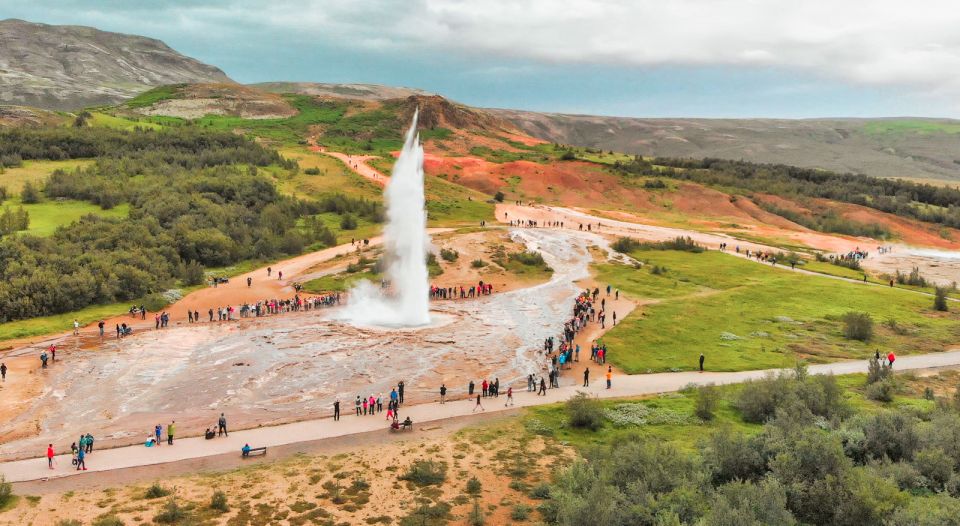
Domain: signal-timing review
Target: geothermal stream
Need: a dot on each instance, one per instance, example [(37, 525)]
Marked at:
[(293, 366)]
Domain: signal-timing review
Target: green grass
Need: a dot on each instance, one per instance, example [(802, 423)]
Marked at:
[(310, 111), (552, 419), (36, 172), (60, 322), (705, 295), (46, 216), (103, 120), (900, 126), (684, 436), (449, 204), (334, 178), (504, 156), (155, 95), (340, 282), (365, 228)]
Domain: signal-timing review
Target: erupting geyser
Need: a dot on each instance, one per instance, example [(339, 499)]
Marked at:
[(406, 302)]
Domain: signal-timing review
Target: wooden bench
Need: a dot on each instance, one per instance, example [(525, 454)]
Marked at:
[(255, 451)]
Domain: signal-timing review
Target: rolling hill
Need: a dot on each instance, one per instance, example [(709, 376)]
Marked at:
[(926, 149), (71, 67)]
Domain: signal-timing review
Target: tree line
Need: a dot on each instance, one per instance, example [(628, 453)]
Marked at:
[(197, 198), (925, 202)]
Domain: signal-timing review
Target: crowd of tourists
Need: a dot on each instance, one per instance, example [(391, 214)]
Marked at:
[(461, 292)]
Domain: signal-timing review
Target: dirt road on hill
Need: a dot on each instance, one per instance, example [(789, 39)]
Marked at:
[(357, 163)]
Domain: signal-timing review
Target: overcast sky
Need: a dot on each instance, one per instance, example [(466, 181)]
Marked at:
[(694, 58)]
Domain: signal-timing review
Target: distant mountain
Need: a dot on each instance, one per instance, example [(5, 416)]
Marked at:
[(70, 67), (895, 147), (372, 92)]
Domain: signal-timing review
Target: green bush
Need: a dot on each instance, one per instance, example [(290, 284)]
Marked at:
[(29, 194), (426, 473), (935, 466), (940, 299), (520, 512), (107, 520), (171, 513), (730, 456), (745, 503), (540, 492), (499, 197), (857, 326), (156, 491), (706, 403), (882, 391), (193, 274), (427, 515), (474, 487), (219, 502), (877, 371), (348, 222), (69, 522), (478, 263), (476, 517), (584, 412), (449, 254), (6, 491), (312, 171)]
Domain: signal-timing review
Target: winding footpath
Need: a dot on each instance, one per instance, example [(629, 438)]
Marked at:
[(310, 430)]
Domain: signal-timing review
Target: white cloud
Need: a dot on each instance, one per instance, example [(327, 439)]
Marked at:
[(874, 42), (914, 45)]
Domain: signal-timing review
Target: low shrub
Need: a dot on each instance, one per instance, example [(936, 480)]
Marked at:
[(219, 502), (156, 491), (171, 513), (882, 391), (448, 254), (6, 491), (707, 399), (940, 299), (426, 473), (312, 171), (478, 263), (520, 512), (857, 326), (584, 412)]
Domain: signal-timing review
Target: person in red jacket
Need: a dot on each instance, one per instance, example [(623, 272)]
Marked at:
[(890, 359), (50, 456)]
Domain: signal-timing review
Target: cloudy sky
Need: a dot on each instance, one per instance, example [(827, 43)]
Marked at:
[(708, 58)]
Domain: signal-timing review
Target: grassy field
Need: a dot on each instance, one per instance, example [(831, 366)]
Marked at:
[(36, 172), (899, 126), (451, 204), (743, 315), (104, 120), (46, 216), (334, 177), (672, 419)]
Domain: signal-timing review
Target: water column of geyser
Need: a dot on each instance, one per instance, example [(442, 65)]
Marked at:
[(405, 239)]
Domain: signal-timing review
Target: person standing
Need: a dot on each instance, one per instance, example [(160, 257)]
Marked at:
[(76, 327), (443, 393), (336, 410), (701, 362), (100, 326), (3, 372), (89, 439), (509, 397), (158, 431), (890, 359), (543, 387), (400, 391), (222, 426), (470, 388), (81, 459), (357, 404), (478, 406), (170, 432), (609, 375), (50, 456), (249, 281), (586, 377)]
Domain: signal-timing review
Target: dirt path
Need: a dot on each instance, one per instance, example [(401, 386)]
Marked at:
[(572, 219), (424, 415), (357, 163)]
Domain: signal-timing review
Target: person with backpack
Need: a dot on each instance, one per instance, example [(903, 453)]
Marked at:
[(222, 426), (443, 393)]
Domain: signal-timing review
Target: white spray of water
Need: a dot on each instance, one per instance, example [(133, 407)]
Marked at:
[(407, 302)]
